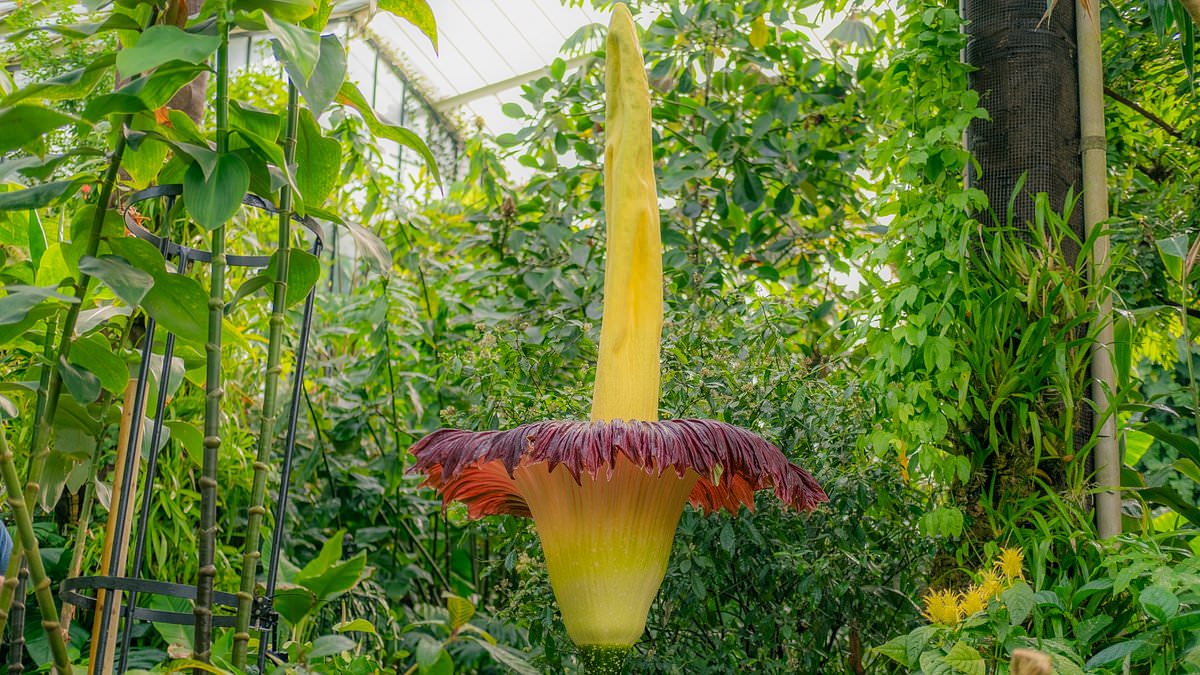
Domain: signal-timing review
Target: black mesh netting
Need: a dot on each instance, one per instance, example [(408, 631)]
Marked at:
[(1027, 78)]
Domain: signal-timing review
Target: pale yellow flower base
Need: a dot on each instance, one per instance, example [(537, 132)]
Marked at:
[(606, 542)]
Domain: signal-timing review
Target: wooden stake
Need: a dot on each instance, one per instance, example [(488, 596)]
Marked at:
[(116, 545)]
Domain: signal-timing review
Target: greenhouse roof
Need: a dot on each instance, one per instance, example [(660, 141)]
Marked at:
[(486, 50)]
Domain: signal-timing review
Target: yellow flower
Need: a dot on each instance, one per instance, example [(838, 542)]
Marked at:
[(973, 601), (942, 607), (1011, 563), (990, 584)]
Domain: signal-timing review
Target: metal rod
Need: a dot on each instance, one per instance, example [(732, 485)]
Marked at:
[(132, 451), (285, 473), (139, 548)]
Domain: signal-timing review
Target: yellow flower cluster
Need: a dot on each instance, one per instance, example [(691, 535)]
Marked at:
[(947, 608)]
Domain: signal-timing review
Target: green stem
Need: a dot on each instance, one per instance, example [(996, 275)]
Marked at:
[(41, 584), (213, 391), (8, 590), (266, 428), (603, 659)]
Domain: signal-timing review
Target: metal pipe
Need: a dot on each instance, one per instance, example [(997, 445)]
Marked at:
[(1106, 456)]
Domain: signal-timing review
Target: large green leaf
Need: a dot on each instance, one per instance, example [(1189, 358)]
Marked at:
[(327, 77), (25, 122), (213, 202), (328, 645), (145, 92), (94, 353), (139, 253), (163, 43), (37, 196), (417, 13), (509, 657), (21, 299), (351, 96), (75, 84), (294, 602), (180, 304), (1114, 653), (261, 123), (83, 385), (283, 10), (1173, 251), (336, 579), (296, 47), (127, 282), (321, 158)]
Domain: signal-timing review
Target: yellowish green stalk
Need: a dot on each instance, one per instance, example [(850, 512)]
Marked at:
[(37, 571), (266, 427), (213, 389)]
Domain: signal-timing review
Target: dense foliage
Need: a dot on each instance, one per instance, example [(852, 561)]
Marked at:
[(831, 285)]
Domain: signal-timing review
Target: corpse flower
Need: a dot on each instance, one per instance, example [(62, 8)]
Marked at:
[(606, 495)]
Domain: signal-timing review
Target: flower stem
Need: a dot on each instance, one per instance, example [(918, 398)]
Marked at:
[(603, 659)]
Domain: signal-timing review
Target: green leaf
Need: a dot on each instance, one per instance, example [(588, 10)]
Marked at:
[(328, 645), (21, 299), (1019, 601), (94, 353), (261, 123), (336, 580), (294, 602), (284, 10), (321, 158), (296, 47), (895, 649), (351, 96), (140, 253), (727, 538), (508, 657), (329, 554), (26, 122), (271, 152), (327, 77), (190, 437), (1159, 603), (162, 43), (128, 283), (248, 287), (1116, 652), (966, 659), (180, 304), (303, 271), (146, 92), (461, 610), (213, 202), (37, 196), (1188, 468), (356, 626), (83, 385), (1173, 251), (8, 410), (417, 13), (75, 84)]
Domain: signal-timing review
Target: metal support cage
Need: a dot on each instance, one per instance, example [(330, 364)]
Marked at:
[(76, 590)]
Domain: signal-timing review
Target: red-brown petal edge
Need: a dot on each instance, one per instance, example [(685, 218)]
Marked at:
[(476, 467)]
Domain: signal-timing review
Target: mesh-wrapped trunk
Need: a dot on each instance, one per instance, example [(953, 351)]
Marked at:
[(1027, 77)]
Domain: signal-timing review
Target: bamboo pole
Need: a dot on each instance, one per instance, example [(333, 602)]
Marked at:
[(37, 571), (213, 392), (116, 544), (1107, 458), (266, 427)]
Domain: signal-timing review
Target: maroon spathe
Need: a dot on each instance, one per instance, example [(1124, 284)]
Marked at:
[(476, 467)]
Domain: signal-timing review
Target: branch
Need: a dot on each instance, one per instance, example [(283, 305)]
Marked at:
[(1158, 121)]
